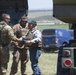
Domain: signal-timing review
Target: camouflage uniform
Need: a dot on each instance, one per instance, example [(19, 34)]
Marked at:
[(20, 53), (5, 38)]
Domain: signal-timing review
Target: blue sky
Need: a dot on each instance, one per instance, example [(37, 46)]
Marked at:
[(40, 4)]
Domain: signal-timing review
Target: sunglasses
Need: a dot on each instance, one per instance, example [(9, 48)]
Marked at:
[(24, 21)]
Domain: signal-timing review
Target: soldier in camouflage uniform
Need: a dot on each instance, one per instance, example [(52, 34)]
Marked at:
[(6, 35), (20, 51)]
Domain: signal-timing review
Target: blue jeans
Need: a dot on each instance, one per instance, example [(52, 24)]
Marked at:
[(34, 56)]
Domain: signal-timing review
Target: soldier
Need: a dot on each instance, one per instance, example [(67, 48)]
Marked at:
[(20, 51), (33, 40), (6, 35)]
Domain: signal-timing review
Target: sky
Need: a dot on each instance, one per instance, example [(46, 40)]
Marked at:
[(40, 4)]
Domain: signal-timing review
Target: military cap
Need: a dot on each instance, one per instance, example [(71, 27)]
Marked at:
[(32, 22)]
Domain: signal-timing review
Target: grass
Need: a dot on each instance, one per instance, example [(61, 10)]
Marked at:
[(64, 26), (47, 63)]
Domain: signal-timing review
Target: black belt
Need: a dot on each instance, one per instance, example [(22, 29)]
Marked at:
[(36, 47)]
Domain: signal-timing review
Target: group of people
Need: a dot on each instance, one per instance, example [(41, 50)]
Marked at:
[(26, 41)]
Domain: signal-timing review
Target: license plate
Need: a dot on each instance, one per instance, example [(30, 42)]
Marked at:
[(47, 45)]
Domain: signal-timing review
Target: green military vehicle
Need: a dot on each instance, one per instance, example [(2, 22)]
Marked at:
[(16, 8), (65, 10)]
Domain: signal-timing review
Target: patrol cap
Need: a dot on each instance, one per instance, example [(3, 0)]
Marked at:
[(32, 22)]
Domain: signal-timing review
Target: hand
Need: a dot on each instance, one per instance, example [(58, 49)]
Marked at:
[(20, 39), (29, 42)]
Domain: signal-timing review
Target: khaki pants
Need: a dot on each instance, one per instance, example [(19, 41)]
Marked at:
[(19, 55), (4, 59)]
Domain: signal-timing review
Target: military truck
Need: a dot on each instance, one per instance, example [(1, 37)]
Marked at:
[(16, 8), (65, 10)]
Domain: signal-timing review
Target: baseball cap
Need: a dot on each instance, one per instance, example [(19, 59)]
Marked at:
[(32, 22)]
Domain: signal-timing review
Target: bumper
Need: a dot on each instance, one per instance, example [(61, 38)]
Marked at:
[(53, 46)]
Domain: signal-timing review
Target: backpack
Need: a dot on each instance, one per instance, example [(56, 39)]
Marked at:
[(1, 29)]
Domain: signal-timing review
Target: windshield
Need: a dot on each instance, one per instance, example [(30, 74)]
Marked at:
[(48, 32)]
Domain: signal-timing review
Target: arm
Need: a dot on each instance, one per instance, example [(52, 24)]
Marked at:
[(11, 34), (37, 38)]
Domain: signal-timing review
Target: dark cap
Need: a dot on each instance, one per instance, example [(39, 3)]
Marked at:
[(33, 22)]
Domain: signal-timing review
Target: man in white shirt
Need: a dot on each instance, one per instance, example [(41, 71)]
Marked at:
[(34, 43)]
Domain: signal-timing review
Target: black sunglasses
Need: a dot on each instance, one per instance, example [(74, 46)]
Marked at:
[(24, 21)]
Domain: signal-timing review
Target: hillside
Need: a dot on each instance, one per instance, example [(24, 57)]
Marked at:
[(43, 16)]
